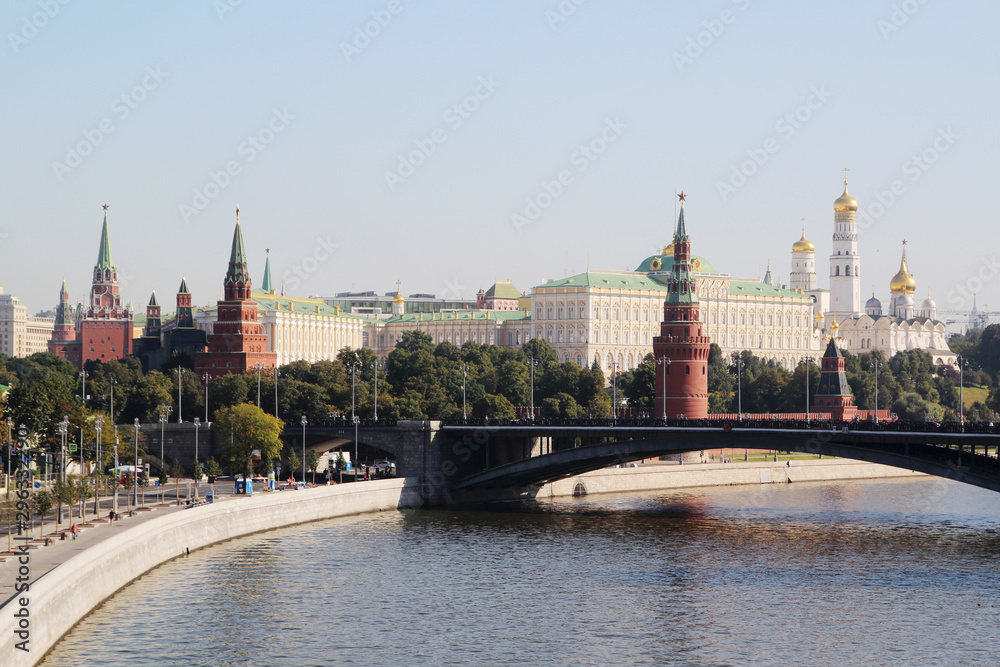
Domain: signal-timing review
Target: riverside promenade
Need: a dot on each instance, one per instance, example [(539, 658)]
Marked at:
[(69, 578)]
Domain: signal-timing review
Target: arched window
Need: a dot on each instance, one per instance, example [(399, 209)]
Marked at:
[(770, 320), (743, 317), (597, 313), (847, 270), (836, 269), (570, 314), (579, 359)]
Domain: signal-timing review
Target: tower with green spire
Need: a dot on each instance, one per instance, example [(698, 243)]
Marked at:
[(237, 342), (185, 313), (681, 349), (267, 286)]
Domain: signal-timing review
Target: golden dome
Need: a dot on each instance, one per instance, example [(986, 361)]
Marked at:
[(398, 298), (669, 250), (903, 281), (834, 326), (803, 245), (845, 202)]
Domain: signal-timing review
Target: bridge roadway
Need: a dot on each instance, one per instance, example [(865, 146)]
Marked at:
[(966, 457), (470, 461)]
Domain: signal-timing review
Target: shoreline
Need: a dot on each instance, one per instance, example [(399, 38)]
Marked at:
[(668, 475)]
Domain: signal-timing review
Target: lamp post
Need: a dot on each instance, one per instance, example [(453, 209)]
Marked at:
[(961, 392), (354, 368), (135, 464), (875, 362), (197, 462), (83, 392), (376, 387), (98, 425), (614, 391), (180, 410), (113, 382), (164, 412), (114, 499), (206, 378), (807, 360), (739, 386), (531, 367), (63, 431), (465, 368), (304, 422), (665, 362), (276, 374), (259, 366), (10, 443)]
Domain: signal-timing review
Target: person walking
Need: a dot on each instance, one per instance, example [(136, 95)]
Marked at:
[(74, 530)]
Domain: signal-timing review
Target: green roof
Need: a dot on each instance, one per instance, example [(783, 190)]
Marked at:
[(504, 289), (760, 289), (461, 316), (238, 255), (698, 264), (622, 280), (266, 283)]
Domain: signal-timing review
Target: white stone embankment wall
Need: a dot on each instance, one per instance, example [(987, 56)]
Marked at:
[(664, 477), (65, 595)]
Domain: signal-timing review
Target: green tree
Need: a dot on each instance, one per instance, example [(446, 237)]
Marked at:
[(293, 461), (493, 406), (41, 504), (243, 429), (177, 471), (64, 494), (227, 391), (312, 462), (212, 468)]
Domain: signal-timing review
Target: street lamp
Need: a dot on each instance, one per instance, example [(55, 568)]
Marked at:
[(259, 366), (276, 374), (98, 425), (180, 410), (304, 422), (961, 392), (807, 360), (532, 362), (114, 500), (355, 420), (165, 410), (135, 464), (83, 392), (876, 364), (113, 382), (10, 444), (665, 362), (63, 430), (465, 368), (197, 463), (376, 363), (205, 377), (354, 368), (614, 391), (739, 386)]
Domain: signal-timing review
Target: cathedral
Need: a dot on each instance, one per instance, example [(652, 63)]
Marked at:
[(838, 312)]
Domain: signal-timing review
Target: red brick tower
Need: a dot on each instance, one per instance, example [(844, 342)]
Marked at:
[(834, 394), (64, 343), (185, 315), (237, 342), (104, 331), (153, 322), (681, 349)]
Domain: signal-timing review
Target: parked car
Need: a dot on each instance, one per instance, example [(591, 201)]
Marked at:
[(385, 467)]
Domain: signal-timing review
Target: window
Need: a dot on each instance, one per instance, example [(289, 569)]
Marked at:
[(836, 271)]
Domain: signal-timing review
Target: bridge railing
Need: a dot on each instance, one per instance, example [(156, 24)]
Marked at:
[(728, 424), (345, 422)]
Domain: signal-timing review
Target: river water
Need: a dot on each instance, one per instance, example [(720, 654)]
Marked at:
[(901, 572)]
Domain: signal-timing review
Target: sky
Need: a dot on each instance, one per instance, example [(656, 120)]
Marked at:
[(447, 145)]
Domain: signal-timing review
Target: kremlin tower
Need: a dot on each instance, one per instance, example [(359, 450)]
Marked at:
[(681, 349), (237, 342), (103, 331), (834, 394)]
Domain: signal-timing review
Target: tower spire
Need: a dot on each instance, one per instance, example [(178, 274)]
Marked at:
[(266, 285), (104, 259), (237, 281)]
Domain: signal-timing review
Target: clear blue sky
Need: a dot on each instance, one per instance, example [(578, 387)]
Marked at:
[(333, 114)]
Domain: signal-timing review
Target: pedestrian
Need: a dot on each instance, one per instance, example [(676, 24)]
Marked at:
[(788, 464), (111, 516), (74, 530)]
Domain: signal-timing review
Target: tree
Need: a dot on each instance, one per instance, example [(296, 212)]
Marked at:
[(494, 407), (41, 504), (177, 471), (8, 510), (212, 468), (65, 494), (227, 391), (244, 429), (293, 462), (312, 462), (196, 473)]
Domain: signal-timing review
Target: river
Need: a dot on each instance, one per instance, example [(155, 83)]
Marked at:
[(854, 573)]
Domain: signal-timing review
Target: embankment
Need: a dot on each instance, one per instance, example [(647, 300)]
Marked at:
[(672, 476), (60, 598)]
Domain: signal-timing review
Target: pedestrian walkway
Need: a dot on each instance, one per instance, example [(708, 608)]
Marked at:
[(43, 559)]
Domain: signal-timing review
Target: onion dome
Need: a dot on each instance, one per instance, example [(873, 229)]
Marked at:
[(834, 326), (928, 303), (803, 244), (398, 298), (845, 202), (873, 303), (903, 281), (669, 250)]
